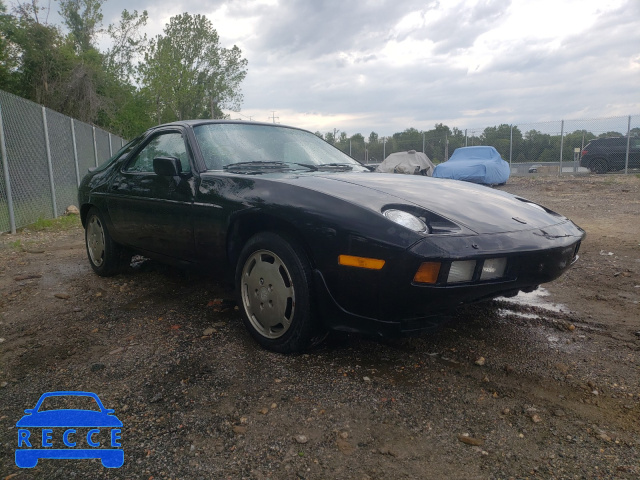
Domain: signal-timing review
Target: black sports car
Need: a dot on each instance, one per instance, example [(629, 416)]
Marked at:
[(313, 239)]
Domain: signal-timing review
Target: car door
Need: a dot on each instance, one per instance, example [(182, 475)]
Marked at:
[(153, 212)]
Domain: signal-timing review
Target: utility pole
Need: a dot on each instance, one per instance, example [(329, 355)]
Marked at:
[(273, 116), (446, 147), (214, 104)]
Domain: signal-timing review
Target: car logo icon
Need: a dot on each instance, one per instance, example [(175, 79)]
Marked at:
[(69, 433)]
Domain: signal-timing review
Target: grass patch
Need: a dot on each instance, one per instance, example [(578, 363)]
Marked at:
[(66, 222)]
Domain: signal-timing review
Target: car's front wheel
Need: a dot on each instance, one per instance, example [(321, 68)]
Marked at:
[(599, 165), (105, 256), (274, 282)]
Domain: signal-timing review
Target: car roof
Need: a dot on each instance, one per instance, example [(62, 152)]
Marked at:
[(198, 122)]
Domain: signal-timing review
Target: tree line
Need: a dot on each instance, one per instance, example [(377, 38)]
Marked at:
[(137, 82), (440, 142)]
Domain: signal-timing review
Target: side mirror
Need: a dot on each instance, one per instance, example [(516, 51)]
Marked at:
[(167, 166), (29, 411)]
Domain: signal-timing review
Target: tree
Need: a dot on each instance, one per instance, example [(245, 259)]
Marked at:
[(83, 18), (410, 139), (610, 134), (39, 56), (187, 74), (501, 137), (8, 59), (128, 45)]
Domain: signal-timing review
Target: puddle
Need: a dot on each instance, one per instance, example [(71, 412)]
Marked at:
[(538, 302), (535, 299), (504, 312)]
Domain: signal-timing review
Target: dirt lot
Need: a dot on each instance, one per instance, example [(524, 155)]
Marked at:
[(548, 387)]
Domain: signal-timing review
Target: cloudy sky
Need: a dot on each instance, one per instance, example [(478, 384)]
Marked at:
[(386, 65)]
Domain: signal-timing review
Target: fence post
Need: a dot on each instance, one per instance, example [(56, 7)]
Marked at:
[(75, 150), (626, 160), (7, 181), (48, 148), (561, 144), (95, 148), (510, 144), (110, 150), (466, 140), (446, 147)]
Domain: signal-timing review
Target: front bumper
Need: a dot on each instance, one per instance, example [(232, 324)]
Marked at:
[(389, 302)]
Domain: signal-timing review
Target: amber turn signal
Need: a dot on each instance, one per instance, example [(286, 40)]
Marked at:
[(427, 273), (361, 262)]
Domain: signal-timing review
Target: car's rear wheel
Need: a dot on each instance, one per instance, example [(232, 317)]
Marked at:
[(274, 282), (599, 165), (105, 256)]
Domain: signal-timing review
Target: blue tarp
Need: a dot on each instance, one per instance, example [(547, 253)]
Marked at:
[(475, 164)]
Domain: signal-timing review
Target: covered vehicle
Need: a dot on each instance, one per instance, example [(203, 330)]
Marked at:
[(480, 164), (312, 239), (410, 163)]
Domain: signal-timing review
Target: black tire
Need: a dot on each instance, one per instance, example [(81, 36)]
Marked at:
[(274, 282), (106, 257), (599, 165)]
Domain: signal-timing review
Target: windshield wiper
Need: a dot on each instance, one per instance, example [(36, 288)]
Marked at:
[(335, 166), (259, 166), (313, 168), (254, 165)]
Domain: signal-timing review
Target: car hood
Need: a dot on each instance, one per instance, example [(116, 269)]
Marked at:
[(480, 209)]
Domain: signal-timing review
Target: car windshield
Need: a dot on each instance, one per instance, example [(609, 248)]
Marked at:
[(76, 402), (247, 147)]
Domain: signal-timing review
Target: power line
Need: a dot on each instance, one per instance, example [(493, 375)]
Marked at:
[(250, 117)]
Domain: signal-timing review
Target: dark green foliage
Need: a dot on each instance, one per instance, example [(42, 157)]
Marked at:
[(67, 73)]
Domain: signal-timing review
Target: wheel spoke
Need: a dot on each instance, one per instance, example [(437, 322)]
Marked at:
[(95, 241), (268, 293)]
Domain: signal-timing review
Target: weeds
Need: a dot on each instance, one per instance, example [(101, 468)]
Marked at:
[(65, 222)]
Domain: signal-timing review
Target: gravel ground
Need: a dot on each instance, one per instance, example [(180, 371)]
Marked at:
[(545, 387)]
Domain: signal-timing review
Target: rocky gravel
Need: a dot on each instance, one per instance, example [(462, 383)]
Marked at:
[(545, 387)]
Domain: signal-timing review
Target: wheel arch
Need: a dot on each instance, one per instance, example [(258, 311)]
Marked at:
[(593, 162), (245, 226), (84, 211)]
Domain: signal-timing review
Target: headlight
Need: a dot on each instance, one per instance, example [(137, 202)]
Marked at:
[(461, 271), (406, 220), (493, 268)]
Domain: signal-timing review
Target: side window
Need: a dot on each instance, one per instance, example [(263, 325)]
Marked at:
[(164, 145)]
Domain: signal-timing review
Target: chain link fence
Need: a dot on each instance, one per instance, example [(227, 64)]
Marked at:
[(44, 156), (554, 147)]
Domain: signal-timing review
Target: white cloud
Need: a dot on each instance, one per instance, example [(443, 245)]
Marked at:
[(387, 65)]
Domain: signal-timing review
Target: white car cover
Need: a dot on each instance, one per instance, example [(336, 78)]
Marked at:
[(409, 163)]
